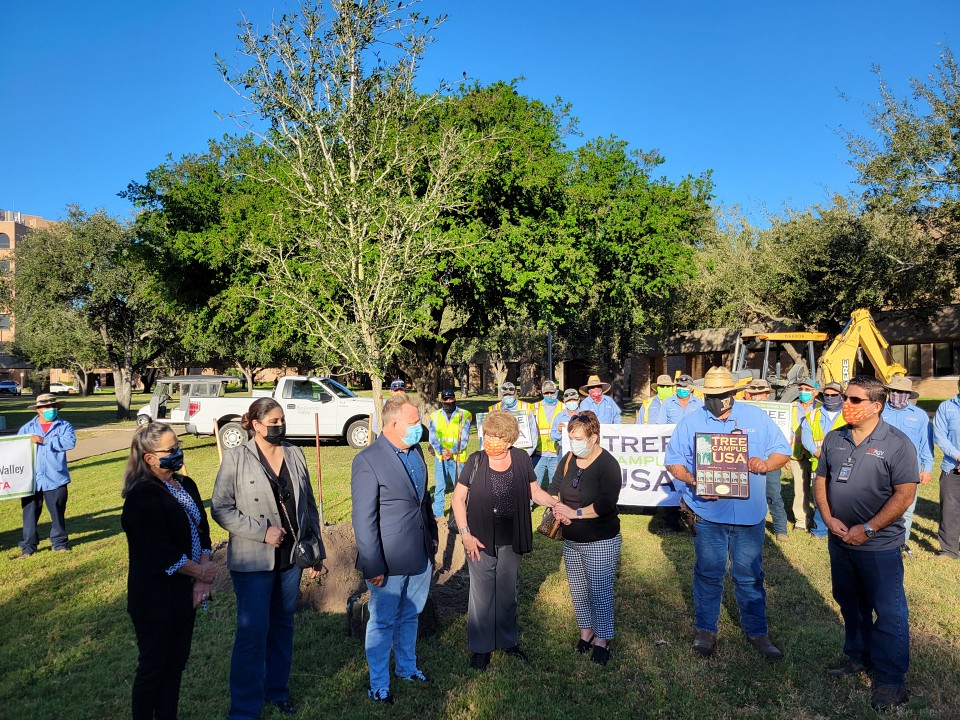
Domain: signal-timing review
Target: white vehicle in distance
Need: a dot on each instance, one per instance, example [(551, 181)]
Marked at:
[(58, 388), (309, 404), (170, 401)]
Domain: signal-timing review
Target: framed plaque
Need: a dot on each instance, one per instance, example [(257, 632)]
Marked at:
[(721, 465)]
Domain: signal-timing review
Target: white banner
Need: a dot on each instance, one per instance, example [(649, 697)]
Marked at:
[(779, 412), (16, 467), (640, 450)]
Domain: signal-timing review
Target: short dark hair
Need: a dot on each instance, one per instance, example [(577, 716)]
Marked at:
[(874, 389), (588, 419)]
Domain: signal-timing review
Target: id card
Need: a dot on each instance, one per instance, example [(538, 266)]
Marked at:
[(845, 471)]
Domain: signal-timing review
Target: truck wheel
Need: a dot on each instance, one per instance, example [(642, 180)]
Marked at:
[(357, 434), (142, 420), (232, 435)]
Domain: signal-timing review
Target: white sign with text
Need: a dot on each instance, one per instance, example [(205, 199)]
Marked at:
[(16, 467)]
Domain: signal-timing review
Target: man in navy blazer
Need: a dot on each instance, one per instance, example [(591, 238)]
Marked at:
[(396, 537)]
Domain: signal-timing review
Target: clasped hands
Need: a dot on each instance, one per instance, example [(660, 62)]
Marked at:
[(851, 536), (564, 513)]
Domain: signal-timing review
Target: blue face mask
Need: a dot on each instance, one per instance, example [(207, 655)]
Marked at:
[(683, 392), (805, 396), (49, 414), (413, 435), (173, 461), (832, 402), (550, 400), (509, 400)]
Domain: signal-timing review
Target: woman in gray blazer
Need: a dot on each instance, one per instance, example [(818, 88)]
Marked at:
[(263, 497)]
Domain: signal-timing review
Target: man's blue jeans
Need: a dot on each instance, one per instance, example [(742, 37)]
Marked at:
[(908, 517), (444, 476), (865, 583), (263, 646), (544, 463), (742, 545), (775, 502), (394, 614)]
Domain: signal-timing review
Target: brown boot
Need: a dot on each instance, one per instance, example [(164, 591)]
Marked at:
[(704, 643), (766, 648)]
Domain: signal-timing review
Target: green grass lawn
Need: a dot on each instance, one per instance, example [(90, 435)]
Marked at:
[(67, 648)]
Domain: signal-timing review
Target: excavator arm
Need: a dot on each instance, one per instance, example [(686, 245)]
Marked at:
[(839, 360)]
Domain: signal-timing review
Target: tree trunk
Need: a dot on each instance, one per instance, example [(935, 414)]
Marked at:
[(123, 384), (499, 367), (83, 381), (426, 368), (377, 426), (148, 377), (248, 373)]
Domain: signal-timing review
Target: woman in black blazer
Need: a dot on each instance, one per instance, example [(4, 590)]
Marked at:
[(170, 572)]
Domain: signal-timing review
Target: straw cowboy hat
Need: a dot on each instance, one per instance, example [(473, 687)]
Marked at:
[(758, 386), (718, 381), (902, 384), (594, 381), (46, 400)]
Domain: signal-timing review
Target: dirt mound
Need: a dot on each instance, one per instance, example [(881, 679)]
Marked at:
[(449, 593)]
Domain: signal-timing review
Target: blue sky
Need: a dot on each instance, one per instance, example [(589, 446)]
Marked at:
[(98, 93)]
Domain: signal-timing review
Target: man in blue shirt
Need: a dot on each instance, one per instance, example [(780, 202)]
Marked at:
[(914, 423), (571, 408), (652, 411), (53, 436), (946, 431), (727, 529), (597, 401), (682, 402)]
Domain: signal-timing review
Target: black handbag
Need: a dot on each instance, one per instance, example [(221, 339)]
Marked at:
[(452, 522), (306, 547)]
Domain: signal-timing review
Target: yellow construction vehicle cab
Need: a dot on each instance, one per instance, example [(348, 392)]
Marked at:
[(838, 363)]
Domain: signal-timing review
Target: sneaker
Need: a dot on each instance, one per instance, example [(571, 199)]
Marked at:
[(285, 706), (479, 661), (766, 648), (888, 696), (905, 549), (380, 696), (851, 667), (419, 676), (704, 643), (516, 652)]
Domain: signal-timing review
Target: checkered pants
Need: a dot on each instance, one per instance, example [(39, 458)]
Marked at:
[(591, 568)]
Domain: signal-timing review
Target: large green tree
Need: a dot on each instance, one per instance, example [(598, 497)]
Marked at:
[(88, 275)]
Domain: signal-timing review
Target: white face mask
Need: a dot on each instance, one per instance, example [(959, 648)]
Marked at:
[(571, 405), (580, 448)]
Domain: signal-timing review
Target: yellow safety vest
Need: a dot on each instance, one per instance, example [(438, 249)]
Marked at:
[(521, 405), (816, 430), (448, 431), (798, 451), (545, 443)]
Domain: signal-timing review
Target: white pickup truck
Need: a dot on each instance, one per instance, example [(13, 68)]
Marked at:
[(340, 412)]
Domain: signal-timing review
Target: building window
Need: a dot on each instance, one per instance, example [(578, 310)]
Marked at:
[(908, 356), (4, 322), (946, 359), (4, 266), (4, 241)]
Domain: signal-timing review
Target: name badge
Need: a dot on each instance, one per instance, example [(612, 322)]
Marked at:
[(845, 470)]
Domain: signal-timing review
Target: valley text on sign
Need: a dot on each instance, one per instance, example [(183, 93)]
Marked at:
[(16, 467)]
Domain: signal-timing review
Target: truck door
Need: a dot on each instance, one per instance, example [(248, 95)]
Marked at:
[(302, 399)]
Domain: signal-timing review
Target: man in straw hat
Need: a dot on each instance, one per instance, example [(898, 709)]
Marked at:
[(597, 401), (53, 436), (760, 391), (652, 412), (727, 529), (914, 423), (866, 479)]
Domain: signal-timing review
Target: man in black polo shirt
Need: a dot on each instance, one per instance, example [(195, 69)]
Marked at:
[(866, 479)]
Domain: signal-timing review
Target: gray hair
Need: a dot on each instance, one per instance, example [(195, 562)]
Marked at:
[(394, 406), (146, 439)]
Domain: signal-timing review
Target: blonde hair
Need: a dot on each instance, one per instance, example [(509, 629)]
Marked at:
[(502, 424), (393, 406), (146, 439)]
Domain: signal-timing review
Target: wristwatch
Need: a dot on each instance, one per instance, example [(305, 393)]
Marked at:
[(579, 512), (869, 531)]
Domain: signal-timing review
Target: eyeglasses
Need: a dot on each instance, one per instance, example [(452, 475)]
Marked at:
[(548, 392), (178, 446), (576, 481), (853, 400), (826, 395), (284, 493)]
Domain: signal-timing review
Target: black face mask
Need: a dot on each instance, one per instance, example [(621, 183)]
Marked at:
[(173, 461), (717, 405), (276, 433), (832, 402), (449, 406)]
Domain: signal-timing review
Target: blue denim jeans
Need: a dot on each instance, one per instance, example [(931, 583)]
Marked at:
[(865, 583), (543, 463), (394, 614), (263, 646), (742, 545), (908, 517), (444, 476), (775, 503), (818, 528)]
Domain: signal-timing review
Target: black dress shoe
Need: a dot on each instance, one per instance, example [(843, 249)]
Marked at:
[(704, 643), (583, 646), (600, 654), (516, 652), (285, 706), (851, 667), (479, 661), (885, 697)]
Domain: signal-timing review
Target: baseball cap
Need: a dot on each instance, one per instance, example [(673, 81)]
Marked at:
[(508, 387), (571, 394), (684, 381), (448, 393), (398, 385), (548, 386)]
